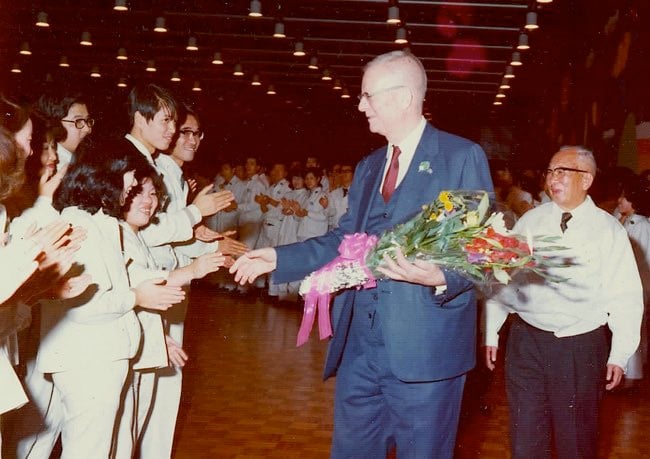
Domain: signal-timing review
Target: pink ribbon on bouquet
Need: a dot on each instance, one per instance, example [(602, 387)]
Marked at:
[(353, 248)]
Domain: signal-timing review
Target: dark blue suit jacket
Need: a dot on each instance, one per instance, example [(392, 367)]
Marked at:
[(428, 337)]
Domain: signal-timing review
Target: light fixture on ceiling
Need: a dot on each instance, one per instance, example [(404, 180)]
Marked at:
[(516, 59), (95, 72), (175, 77), (544, 1), (271, 90), (216, 59), (121, 55), (238, 70), (400, 36), (509, 72), (345, 94), (497, 102), (299, 49), (531, 21), (121, 83), (15, 69), (120, 5), (278, 31), (393, 15), (505, 84), (256, 80), (326, 75), (85, 39), (41, 20), (24, 49), (337, 85), (151, 66), (160, 25), (523, 42), (313, 63), (501, 95), (191, 44), (196, 87), (255, 9), (63, 62)]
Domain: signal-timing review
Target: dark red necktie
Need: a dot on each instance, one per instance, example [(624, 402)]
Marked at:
[(391, 175)]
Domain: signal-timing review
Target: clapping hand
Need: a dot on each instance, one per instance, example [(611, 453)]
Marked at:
[(210, 203), (154, 294), (177, 355)]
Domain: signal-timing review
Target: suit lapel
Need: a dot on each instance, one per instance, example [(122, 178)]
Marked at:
[(371, 179), (422, 180)]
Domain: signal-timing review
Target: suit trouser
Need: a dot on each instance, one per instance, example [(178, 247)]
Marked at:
[(158, 436), (554, 387), (375, 411), (90, 397)]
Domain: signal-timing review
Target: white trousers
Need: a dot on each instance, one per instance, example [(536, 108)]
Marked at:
[(90, 398), (158, 435)]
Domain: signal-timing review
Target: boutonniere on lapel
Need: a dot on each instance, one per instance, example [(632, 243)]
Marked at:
[(425, 167)]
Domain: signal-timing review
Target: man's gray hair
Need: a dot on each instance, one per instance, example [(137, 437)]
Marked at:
[(585, 155), (407, 63)]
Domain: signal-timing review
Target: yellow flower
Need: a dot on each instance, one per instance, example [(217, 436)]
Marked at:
[(445, 199)]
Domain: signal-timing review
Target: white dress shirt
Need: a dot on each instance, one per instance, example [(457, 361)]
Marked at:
[(407, 147), (603, 285)]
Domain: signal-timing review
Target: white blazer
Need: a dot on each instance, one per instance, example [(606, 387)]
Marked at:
[(140, 267), (100, 324)]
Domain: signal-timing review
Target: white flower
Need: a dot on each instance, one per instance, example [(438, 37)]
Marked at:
[(425, 167)]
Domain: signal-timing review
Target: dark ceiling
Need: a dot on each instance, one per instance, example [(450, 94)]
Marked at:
[(464, 45)]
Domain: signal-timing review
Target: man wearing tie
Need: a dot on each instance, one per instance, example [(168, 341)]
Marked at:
[(558, 360), (400, 351)]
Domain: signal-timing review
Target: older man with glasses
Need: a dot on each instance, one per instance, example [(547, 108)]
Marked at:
[(400, 351), (558, 360)]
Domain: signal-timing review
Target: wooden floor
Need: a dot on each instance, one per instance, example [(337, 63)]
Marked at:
[(250, 393)]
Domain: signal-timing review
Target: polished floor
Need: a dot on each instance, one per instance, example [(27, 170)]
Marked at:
[(250, 393)]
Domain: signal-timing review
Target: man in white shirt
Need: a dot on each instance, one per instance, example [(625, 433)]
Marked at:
[(557, 362), (270, 205)]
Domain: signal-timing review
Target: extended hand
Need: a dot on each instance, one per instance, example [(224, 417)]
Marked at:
[(205, 234), (206, 264), (418, 272), (253, 264), (230, 246)]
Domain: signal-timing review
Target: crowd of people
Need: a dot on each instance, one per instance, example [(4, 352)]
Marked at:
[(101, 243)]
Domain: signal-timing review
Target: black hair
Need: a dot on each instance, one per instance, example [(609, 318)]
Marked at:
[(638, 195), (318, 173), (148, 100), (57, 106), (96, 181), (183, 111), (145, 171), (13, 116)]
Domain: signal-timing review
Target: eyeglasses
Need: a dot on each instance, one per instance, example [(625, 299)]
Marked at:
[(380, 91), (80, 123), (561, 172), (187, 133)]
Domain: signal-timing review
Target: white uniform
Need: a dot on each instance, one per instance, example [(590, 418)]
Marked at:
[(289, 235), (226, 221), (88, 340), (315, 222), (158, 434), (250, 214), (338, 205), (141, 383), (272, 218)]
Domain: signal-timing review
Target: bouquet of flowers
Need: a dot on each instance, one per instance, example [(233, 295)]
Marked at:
[(456, 231)]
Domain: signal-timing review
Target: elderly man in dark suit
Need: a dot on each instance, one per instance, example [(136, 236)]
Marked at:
[(400, 351)]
